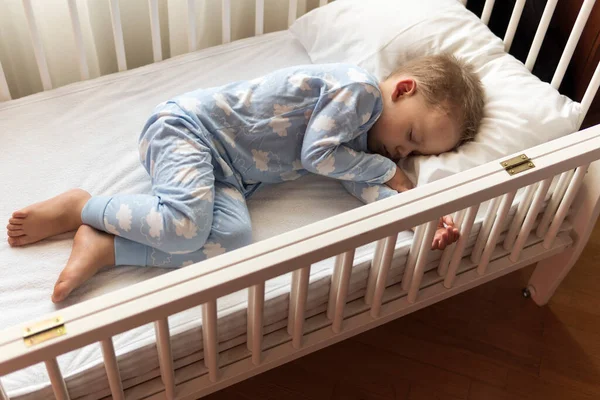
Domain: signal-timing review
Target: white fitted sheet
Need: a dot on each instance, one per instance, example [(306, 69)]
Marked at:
[(84, 135)]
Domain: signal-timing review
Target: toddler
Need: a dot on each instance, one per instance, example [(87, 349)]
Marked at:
[(208, 150)]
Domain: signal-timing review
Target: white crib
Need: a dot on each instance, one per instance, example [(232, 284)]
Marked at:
[(553, 237)]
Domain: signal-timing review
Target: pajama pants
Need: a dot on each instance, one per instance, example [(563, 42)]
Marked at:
[(197, 209)]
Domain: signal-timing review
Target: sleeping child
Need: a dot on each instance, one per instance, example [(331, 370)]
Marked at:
[(208, 150)]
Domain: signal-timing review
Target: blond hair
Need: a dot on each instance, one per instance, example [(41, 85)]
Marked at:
[(449, 83)]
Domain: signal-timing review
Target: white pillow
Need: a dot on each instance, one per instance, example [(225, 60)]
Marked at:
[(378, 35)]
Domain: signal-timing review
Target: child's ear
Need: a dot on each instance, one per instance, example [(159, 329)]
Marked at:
[(404, 87)]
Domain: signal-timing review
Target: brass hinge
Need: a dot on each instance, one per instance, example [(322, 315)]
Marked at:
[(43, 331), (518, 164)]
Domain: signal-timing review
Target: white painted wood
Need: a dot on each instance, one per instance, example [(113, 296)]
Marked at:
[(449, 250), (226, 21), (59, 387), (84, 69), (155, 29), (115, 15), (256, 305), (387, 253), (465, 231), (292, 11), (565, 59), (259, 23), (3, 395), (513, 24), (505, 205), (322, 2), (38, 48), (422, 261), (339, 289), (540, 34), (4, 91), (165, 356), (298, 295), (555, 199), (487, 11), (112, 369), (413, 255), (517, 221), (536, 205), (588, 97), (484, 231), (210, 340), (565, 205), (374, 270), (191, 27)]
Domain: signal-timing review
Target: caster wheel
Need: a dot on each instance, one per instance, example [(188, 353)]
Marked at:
[(526, 293)]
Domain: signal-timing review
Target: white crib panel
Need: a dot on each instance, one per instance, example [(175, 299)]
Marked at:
[(115, 15), (449, 250), (555, 199), (415, 282), (59, 386), (112, 369), (322, 3), (4, 92), (487, 11), (191, 27), (256, 305), (38, 48), (384, 262), (339, 289), (484, 231), (210, 342), (297, 308), (538, 199), (259, 24), (165, 357), (513, 24), (292, 11), (155, 29), (565, 59), (589, 95), (465, 231), (3, 395), (540, 34), (226, 21), (517, 221), (84, 69), (413, 254)]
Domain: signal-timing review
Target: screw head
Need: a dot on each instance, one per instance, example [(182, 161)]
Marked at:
[(505, 164), (530, 164), (523, 156), (512, 171)]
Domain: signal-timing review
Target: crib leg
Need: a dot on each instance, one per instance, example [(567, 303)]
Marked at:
[(549, 273)]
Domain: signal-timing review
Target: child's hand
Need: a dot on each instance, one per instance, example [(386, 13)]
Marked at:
[(446, 233), (400, 182)]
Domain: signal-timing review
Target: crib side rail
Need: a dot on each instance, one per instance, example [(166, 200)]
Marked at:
[(203, 283)]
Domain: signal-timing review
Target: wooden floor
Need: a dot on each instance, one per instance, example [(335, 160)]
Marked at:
[(486, 344)]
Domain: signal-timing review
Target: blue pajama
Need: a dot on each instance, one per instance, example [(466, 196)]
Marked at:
[(208, 150)]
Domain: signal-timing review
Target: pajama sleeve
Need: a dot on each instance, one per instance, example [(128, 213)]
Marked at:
[(368, 193), (338, 118)]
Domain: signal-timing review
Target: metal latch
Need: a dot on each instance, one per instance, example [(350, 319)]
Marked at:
[(43, 331), (518, 164)]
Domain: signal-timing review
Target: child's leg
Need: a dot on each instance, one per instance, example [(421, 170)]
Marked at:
[(93, 250)]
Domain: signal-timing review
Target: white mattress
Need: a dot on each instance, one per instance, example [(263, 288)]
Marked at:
[(84, 135)]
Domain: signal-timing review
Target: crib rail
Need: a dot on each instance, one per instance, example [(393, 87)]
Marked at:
[(204, 283)]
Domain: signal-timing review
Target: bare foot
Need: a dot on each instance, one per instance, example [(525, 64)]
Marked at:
[(54, 216), (92, 250)]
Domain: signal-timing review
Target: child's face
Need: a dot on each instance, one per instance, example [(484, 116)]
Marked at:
[(409, 126)]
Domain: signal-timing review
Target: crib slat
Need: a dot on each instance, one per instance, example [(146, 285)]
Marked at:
[(155, 28), (38, 48), (4, 92), (565, 205), (192, 33), (256, 305), (3, 395), (165, 357), (374, 271), (517, 221), (298, 295), (209, 333), (292, 11), (465, 231), (385, 261), (59, 387), (424, 251), (487, 11), (226, 21), (413, 255), (259, 26), (339, 289), (589, 95), (112, 369), (505, 205), (83, 64), (322, 3), (565, 59), (557, 196), (485, 229), (449, 250), (513, 24), (540, 34), (115, 15), (538, 199)]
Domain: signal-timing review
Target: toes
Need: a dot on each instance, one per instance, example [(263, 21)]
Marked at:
[(19, 214), (16, 221), (16, 233), (18, 241), (11, 227), (61, 291)]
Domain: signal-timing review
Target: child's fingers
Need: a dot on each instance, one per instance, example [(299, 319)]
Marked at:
[(448, 220)]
